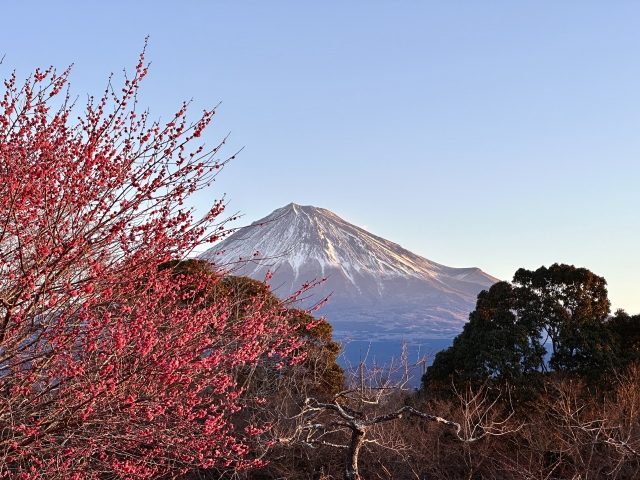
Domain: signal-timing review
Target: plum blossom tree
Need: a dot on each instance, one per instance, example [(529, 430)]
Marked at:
[(111, 367)]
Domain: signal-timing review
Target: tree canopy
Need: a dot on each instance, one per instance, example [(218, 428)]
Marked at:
[(318, 371), (554, 319)]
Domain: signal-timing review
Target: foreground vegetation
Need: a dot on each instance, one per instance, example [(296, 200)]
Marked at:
[(495, 405), (115, 362), (567, 432)]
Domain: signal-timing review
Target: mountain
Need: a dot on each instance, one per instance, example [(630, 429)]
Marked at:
[(379, 290)]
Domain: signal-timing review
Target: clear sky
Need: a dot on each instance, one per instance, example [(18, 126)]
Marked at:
[(495, 134)]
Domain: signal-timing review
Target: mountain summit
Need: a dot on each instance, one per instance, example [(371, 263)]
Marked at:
[(377, 287)]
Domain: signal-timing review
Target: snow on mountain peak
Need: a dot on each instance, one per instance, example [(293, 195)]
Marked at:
[(374, 284), (299, 235)]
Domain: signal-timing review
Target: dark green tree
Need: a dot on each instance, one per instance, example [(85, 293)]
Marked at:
[(318, 373), (569, 306), (625, 330), (496, 344), (562, 306)]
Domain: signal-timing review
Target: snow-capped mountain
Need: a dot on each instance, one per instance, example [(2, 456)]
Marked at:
[(377, 287)]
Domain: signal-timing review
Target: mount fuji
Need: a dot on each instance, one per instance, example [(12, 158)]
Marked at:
[(378, 290)]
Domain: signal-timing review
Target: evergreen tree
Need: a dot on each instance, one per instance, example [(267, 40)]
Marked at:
[(625, 330), (569, 307), (506, 339)]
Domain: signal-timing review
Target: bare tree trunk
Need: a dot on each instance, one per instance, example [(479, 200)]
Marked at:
[(351, 471)]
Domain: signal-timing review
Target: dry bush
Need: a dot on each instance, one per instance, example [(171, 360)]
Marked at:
[(569, 432), (573, 431), (379, 429)]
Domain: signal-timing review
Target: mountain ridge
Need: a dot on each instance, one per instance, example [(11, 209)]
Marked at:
[(365, 273)]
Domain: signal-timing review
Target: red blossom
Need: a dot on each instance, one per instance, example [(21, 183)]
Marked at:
[(109, 366)]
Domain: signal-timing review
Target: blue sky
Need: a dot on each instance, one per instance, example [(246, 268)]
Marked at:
[(495, 134)]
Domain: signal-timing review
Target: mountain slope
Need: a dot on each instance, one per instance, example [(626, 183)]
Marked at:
[(378, 287)]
